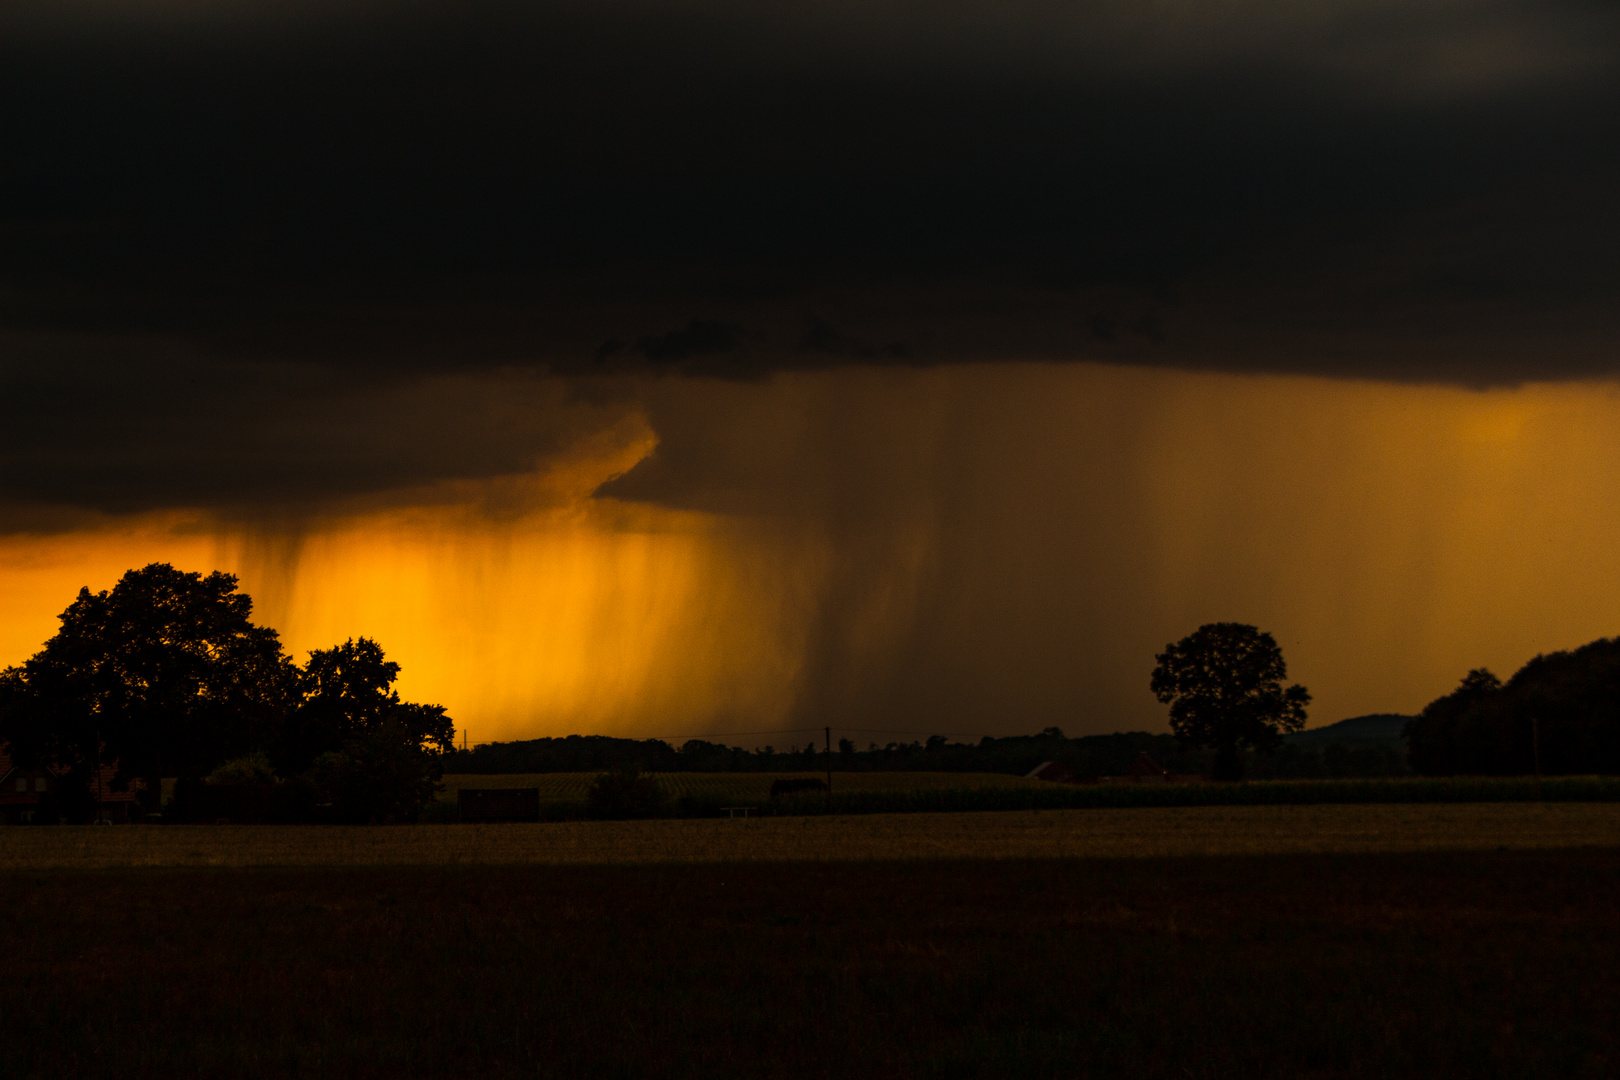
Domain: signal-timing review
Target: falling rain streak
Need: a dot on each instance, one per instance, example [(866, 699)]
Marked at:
[(1000, 547)]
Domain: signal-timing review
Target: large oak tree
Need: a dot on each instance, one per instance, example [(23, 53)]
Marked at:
[(166, 671), (167, 675), (1223, 683)]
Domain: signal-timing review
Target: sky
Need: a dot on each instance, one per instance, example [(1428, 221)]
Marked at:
[(655, 368)]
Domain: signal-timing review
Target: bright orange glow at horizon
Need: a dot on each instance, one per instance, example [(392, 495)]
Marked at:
[(987, 548)]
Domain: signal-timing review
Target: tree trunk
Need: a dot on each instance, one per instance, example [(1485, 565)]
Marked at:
[(1228, 763)]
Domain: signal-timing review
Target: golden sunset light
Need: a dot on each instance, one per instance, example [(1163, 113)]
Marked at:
[(1024, 538), (735, 540)]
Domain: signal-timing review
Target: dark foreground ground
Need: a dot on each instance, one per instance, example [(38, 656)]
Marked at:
[(1497, 964)]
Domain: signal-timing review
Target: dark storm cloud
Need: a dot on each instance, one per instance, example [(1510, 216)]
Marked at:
[(115, 427), (295, 204)]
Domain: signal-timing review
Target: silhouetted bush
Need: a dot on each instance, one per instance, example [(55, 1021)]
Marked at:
[(254, 768), (248, 802), (626, 793), (1350, 759), (380, 777)]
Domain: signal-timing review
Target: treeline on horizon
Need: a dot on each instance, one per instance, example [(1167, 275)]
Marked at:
[(165, 676), (1089, 757), (1097, 755), (1559, 715)]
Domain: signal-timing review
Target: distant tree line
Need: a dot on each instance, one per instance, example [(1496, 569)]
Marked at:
[(165, 675), (1088, 756), (1344, 759), (1093, 755), (1559, 714)]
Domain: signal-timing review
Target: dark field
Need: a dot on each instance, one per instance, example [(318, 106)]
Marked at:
[(1461, 964)]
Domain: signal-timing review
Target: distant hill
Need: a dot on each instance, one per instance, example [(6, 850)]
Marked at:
[(1379, 727)]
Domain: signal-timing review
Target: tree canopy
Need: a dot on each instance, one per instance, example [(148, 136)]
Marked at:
[(372, 754), (166, 675), (1224, 686), (166, 670), (1562, 707)]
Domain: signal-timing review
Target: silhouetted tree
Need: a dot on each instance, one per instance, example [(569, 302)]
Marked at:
[(1573, 700), (1567, 702), (1223, 683), (166, 670), (1446, 736), (369, 754)]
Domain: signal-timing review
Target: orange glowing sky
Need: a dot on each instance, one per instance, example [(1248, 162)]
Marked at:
[(972, 549)]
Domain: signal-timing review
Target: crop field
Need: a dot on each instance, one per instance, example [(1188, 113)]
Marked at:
[(1480, 964), (562, 795), (743, 787), (1062, 834)]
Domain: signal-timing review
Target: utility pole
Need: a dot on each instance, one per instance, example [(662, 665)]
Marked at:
[(101, 803), (1535, 744), (829, 764)]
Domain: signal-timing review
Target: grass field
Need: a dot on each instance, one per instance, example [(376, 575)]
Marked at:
[(1141, 832), (1477, 964), (562, 795), (743, 787)]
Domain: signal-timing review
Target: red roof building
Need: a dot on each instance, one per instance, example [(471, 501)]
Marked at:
[(1145, 768), (1051, 772), (22, 790)]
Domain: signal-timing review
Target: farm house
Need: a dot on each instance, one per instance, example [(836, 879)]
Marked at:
[(23, 790), (1052, 772)]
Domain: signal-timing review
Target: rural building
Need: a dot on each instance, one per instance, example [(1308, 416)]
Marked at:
[(22, 790), (1144, 770), (1051, 771)]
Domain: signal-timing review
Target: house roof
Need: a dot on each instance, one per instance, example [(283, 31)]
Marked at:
[(1050, 770), (14, 797), (1144, 765)]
